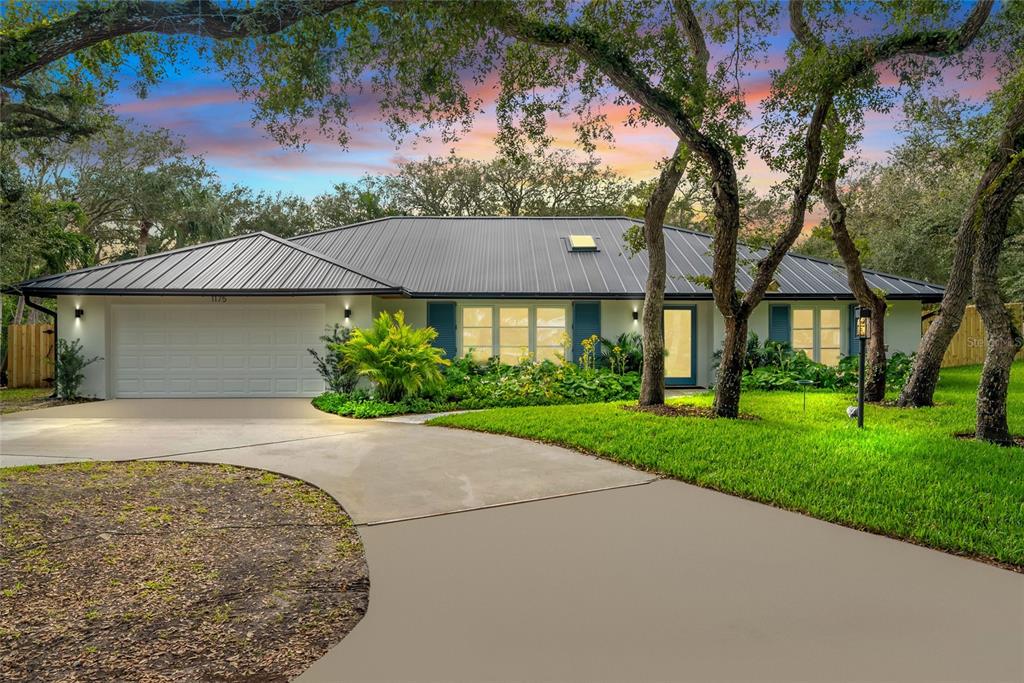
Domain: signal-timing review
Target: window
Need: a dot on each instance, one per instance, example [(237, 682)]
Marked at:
[(478, 332), (828, 336), (817, 333), (803, 331), (550, 333), (582, 243), (514, 334)]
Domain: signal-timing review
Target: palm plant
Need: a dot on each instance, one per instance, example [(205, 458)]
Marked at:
[(398, 358)]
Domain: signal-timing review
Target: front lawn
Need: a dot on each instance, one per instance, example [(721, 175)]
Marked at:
[(904, 476), (14, 400)]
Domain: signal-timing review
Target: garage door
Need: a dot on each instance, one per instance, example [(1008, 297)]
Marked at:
[(215, 349)]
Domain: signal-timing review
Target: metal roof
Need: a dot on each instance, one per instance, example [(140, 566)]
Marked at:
[(256, 263), (529, 257)]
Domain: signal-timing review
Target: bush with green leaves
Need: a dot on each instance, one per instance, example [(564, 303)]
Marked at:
[(775, 366), (626, 353), (470, 385), (337, 371), (398, 358), (69, 372)]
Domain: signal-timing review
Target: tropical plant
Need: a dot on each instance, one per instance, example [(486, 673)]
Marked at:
[(395, 356), (70, 368), (334, 366), (626, 353)]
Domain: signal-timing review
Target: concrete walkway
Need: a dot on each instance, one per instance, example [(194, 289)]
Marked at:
[(632, 580)]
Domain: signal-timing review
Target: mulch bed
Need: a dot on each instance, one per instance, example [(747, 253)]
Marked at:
[(1018, 439), (682, 410), (158, 571)]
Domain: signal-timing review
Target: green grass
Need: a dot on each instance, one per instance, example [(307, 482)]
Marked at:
[(904, 476), (12, 400)]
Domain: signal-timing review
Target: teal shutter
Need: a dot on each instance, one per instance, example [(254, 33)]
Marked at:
[(586, 321), (441, 316), (854, 342), (779, 328)]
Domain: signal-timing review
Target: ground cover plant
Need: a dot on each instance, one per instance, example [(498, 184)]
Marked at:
[(14, 400), (468, 385), (906, 475), (145, 571)]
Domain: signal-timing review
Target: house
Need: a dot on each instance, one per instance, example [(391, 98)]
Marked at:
[(235, 317)]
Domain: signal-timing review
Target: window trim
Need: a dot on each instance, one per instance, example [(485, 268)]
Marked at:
[(496, 307)]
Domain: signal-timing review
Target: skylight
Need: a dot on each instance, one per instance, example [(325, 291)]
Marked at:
[(582, 243)]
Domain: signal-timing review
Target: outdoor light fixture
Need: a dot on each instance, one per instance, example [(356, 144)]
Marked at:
[(863, 331), (636, 314), (348, 313), (79, 312)]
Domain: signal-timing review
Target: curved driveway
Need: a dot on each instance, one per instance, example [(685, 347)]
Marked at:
[(631, 579)]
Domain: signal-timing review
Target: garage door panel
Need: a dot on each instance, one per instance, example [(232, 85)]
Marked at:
[(215, 350)]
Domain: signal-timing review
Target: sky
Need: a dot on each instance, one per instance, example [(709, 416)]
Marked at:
[(215, 123)]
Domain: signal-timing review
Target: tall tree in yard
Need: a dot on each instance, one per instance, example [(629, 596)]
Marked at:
[(299, 59)]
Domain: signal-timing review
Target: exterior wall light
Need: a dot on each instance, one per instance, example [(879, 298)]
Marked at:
[(348, 313), (636, 315), (863, 332), (79, 312)]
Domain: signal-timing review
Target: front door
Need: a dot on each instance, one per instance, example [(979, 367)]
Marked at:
[(680, 345)]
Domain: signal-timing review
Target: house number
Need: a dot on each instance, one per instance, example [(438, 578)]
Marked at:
[(219, 299)]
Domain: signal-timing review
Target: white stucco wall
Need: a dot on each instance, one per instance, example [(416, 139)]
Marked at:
[(93, 328)]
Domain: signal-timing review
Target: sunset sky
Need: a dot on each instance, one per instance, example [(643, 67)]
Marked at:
[(215, 123)]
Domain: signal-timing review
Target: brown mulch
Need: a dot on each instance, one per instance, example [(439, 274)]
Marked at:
[(1018, 439), (682, 410), (159, 571)]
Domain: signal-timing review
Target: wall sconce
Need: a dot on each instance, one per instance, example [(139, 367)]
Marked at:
[(79, 312), (636, 315), (348, 313)]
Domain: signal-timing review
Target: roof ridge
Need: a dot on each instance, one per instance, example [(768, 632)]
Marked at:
[(323, 257)]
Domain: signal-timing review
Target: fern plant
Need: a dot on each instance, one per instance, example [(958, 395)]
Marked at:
[(398, 358)]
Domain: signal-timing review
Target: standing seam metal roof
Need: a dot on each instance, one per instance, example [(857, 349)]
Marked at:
[(253, 263), (528, 257)]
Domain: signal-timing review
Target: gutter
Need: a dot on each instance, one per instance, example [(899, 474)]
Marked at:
[(42, 309)]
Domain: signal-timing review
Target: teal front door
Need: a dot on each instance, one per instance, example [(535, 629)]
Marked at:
[(680, 346)]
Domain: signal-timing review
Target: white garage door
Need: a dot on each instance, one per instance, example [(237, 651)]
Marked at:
[(215, 349)]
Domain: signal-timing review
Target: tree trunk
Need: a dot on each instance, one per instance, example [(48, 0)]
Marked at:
[(874, 383), (652, 385), (989, 198), (730, 370), (142, 243), (1003, 337)]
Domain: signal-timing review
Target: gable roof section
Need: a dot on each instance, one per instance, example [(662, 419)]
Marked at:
[(256, 263), (529, 257)]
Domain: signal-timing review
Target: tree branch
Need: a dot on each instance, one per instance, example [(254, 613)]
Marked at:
[(45, 43)]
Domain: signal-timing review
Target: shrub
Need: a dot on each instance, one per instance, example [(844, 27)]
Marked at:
[(626, 353), (70, 368), (396, 357), (337, 371), (470, 385)]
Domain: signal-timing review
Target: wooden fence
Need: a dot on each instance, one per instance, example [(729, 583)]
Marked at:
[(968, 346), (30, 355)]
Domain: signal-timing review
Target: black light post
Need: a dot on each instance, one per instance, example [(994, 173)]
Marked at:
[(863, 332)]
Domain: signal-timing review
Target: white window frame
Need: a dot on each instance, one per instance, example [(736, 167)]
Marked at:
[(496, 307), (816, 328)]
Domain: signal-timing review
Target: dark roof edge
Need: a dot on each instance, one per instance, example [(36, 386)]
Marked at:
[(49, 293), (577, 296)]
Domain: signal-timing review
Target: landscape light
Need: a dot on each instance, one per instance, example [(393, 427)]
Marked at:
[(863, 332)]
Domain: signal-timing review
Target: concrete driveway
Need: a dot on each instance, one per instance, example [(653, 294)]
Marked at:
[(633, 580)]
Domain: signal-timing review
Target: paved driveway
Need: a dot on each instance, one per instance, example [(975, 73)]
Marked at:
[(630, 581)]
